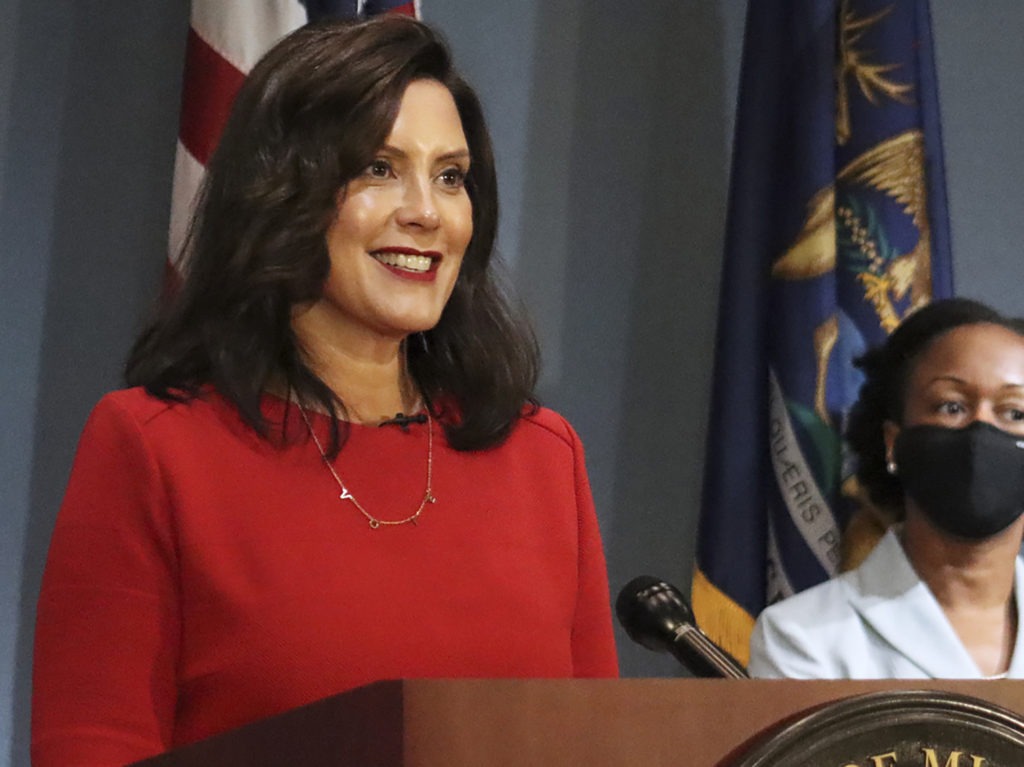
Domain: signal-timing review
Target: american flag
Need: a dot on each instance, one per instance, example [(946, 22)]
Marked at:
[(225, 39)]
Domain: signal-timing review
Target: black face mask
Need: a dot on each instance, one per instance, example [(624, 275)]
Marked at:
[(969, 482)]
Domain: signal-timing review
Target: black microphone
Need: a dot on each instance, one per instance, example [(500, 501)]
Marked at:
[(655, 615)]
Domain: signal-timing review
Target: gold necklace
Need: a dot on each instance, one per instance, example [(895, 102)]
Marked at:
[(346, 495)]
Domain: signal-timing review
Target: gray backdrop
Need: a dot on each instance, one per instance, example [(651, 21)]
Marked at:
[(612, 130)]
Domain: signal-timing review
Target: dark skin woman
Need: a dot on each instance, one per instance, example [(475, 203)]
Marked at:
[(938, 431)]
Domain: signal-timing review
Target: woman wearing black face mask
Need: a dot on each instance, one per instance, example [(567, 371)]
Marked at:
[(938, 432)]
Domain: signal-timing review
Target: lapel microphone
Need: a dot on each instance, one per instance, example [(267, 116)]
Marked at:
[(402, 421)]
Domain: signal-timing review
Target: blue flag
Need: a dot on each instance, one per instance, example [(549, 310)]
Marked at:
[(837, 228)]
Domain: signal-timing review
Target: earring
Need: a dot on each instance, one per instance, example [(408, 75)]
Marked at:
[(891, 467)]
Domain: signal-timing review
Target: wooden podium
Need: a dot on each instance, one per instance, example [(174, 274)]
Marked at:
[(491, 723)]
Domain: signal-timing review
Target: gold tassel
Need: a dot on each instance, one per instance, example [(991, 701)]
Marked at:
[(718, 616)]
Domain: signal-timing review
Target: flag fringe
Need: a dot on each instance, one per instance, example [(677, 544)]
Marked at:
[(722, 619)]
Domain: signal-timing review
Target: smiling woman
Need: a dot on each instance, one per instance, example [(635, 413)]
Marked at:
[(938, 431), (251, 527), (397, 242), (342, 139)]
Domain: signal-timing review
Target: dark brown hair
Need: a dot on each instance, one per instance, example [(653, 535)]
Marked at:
[(887, 369), (310, 117)]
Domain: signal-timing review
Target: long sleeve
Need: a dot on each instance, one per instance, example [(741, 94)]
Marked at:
[(593, 641), (107, 625)]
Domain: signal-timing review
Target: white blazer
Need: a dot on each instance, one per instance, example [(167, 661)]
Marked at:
[(879, 621)]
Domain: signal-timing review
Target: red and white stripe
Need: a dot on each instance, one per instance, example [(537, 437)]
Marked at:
[(226, 38)]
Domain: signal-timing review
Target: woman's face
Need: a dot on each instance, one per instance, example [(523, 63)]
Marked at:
[(971, 373), (402, 226)]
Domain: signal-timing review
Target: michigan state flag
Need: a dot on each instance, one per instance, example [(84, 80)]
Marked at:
[(836, 230)]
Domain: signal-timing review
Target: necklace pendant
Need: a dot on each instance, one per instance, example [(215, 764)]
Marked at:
[(345, 495)]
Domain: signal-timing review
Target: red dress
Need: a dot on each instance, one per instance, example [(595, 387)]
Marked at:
[(200, 577)]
